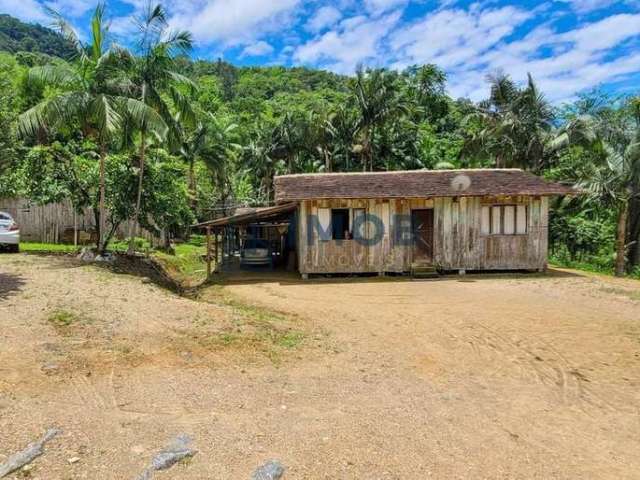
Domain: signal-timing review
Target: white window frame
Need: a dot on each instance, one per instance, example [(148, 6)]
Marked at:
[(493, 218)]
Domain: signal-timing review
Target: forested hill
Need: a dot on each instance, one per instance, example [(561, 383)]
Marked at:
[(222, 132), (16, 36)]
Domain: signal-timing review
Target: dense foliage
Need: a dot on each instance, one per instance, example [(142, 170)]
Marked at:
[(183, 139), (16, 36)]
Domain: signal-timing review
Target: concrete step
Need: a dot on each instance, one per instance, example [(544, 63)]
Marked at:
[(424, 271)]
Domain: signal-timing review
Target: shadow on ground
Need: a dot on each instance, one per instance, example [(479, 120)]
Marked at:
[(248, 277), (10, 284)]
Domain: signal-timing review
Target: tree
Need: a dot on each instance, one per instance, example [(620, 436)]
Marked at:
[(90, 94), (154, 73), (377, 99), (613, 177), (516, 125)]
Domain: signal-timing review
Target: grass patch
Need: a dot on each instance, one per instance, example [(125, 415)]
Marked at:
[(34, 247), (256, 328), (187, 265), (633, 295), (62, 318)]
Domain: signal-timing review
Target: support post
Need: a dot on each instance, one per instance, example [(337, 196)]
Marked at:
[(215, 242), (75, 228), (208, 252)]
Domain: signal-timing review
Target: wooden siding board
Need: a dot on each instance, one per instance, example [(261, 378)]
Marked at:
[(459, 242)]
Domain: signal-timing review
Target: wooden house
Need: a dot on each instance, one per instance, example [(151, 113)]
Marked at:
[(482, 219), (405, 221)]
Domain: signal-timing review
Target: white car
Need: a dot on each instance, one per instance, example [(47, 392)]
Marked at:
[(9, 233)]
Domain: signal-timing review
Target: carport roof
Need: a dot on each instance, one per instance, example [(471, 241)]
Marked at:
[(250, 215)]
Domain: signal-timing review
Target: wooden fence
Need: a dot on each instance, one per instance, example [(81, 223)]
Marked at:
[(58, 222)]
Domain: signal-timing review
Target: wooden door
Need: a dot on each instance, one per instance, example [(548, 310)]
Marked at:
[(422, 226)]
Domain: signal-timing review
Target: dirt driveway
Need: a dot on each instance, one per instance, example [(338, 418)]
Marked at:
[(480, 377)]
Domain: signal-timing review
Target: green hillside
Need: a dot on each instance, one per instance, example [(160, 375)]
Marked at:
[(16, 36)]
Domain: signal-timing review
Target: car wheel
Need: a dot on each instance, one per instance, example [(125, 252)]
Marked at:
[(14, 248)]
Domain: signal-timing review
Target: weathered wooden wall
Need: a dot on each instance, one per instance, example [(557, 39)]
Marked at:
[(458, 241), (54, 222)]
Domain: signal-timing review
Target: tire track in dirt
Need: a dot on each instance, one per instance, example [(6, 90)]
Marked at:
[(548, 365)]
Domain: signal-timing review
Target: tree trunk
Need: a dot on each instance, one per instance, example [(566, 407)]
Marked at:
[(96, 217), (102, 227), (621, 238), (192, 184), (136, 212), (633, 235), (327, 160)]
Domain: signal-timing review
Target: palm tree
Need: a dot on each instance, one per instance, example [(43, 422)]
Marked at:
[(516, 125), (376, 99), (214, 142), (92, 96), (154, 73), (614, 177), (322, 135)]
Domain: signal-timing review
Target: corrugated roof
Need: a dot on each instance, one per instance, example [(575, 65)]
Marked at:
[(249, 215), (415, 184)]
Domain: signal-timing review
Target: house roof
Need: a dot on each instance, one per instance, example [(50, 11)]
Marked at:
[(245, 216), (415, 184)]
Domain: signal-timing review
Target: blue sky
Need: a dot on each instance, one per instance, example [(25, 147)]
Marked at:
[(568, 45)]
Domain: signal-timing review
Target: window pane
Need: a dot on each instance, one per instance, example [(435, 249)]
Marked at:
[(521, 224), (509, 223), (340, 223), (496, 220), (324, 218), (485, 221)]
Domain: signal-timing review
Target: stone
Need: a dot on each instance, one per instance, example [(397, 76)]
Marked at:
[(272, 470)]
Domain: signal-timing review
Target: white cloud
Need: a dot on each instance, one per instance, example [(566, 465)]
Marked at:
[(582, 58), (326, 16), (355, 40), (450, 38), (232, 22), (26, 10), (72, 8), (381, 6), (586, 6), (258, 49)]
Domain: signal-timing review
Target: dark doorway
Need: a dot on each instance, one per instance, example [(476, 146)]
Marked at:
[(422, 226)]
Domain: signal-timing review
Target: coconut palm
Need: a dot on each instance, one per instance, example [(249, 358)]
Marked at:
[(90, 95)]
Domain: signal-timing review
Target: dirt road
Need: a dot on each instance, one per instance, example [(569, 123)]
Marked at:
[(481, 377)]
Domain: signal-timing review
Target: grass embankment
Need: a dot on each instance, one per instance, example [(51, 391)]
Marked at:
[(186, 265), (601, 267)]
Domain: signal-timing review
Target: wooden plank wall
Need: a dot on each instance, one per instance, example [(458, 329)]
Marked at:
[(48, 223), (458, 243)]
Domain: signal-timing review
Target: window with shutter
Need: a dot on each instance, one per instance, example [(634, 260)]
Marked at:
[(485, 222), (521, 220), (503, 220)]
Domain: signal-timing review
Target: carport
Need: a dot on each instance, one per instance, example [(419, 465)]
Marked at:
[(272, 227)]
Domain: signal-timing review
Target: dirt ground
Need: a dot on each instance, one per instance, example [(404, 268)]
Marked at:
[(493, 376)]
